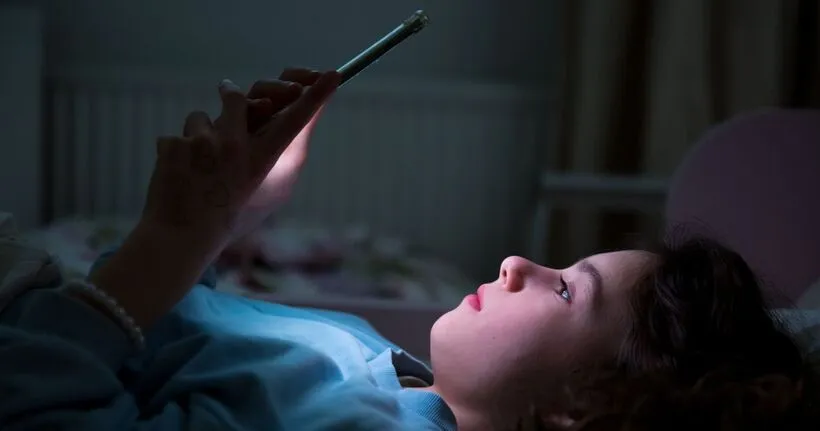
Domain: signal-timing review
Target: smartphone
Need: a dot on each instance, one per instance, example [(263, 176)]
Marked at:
[(409, 27)]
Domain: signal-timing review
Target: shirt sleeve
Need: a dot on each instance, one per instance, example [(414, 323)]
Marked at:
[(60, 361), (61, 358)]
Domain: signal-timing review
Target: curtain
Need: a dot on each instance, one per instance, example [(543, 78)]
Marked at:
[(641, 80)]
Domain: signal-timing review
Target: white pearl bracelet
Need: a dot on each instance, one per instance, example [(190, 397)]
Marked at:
[(111, 305)]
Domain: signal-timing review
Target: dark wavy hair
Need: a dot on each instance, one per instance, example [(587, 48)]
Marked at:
[(704, 353)]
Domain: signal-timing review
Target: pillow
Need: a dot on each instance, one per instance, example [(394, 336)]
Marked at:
[(810, 300), (804, 325)]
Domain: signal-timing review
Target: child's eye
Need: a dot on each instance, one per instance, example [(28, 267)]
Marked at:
[(564, 292)]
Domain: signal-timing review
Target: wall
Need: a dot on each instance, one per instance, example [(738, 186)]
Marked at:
[(20, 113), (476, 40)]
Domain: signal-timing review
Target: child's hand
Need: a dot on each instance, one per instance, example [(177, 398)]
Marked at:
[(202, 181), (277, 185), (275, 189)]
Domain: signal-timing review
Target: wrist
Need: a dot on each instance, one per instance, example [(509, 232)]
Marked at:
[(186, 241), (250, 220), (155, 268)]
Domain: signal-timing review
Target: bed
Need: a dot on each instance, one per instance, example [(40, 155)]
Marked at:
[(286, 260), (399, 290)]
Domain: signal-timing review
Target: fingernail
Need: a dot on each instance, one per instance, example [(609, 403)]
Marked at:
[(331, 75), (227, 84)]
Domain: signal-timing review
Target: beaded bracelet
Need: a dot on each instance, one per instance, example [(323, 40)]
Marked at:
[(122, 317)]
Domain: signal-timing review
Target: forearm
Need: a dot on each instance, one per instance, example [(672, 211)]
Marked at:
[(267, 201), (154, 269)]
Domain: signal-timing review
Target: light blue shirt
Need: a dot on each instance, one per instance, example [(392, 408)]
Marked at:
[(216, 362)]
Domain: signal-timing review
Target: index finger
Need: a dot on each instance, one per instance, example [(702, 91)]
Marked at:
[(233, 119), (274, 89), (305, 77), (291, 120)]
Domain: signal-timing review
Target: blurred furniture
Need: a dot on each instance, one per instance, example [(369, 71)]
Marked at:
[(557, 190)]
